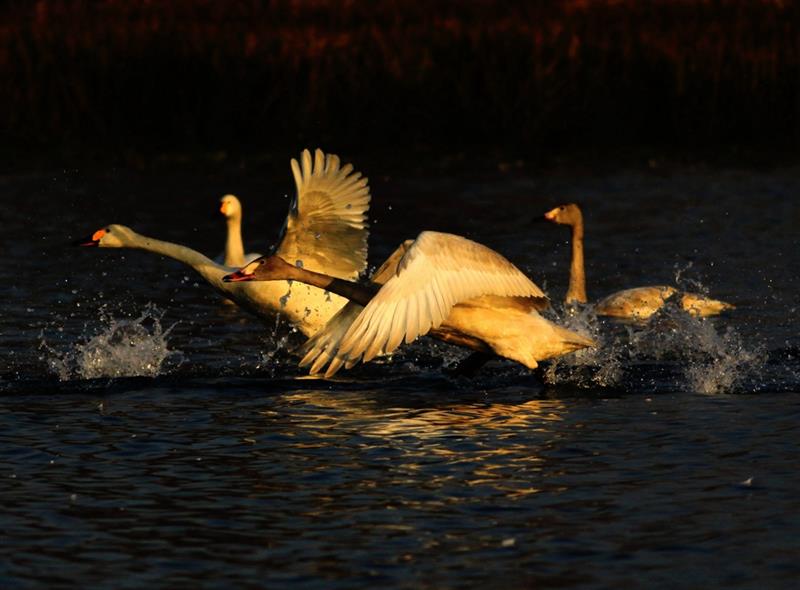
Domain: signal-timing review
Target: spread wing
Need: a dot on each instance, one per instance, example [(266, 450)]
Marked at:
[(326, 229), (321, 349), (435, 273)]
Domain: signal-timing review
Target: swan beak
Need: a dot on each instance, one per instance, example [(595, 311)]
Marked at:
[(550, 215), (238, 276), (93, 240), (86, 242)]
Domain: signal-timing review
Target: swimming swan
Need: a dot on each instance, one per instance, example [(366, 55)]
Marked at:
[(326, 231), (234, 255), (439, 284), (636, 303)]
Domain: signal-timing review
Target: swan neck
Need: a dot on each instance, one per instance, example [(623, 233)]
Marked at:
[(577, 277), (357, 292), (234, 248), (203, 265)]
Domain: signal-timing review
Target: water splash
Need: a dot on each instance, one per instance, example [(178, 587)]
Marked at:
[(696, 355), (589, 367), (712, 361), (277, 356), (122, 348)]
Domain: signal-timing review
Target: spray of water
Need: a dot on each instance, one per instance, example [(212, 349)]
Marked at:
[(120, 348), (708, 359), (712, 361), (277, 354), (590, 367)]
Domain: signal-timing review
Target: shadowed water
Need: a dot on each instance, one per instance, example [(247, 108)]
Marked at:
[(152, 435)]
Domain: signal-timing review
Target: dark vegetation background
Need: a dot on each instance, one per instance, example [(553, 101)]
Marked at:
[(83, 78)]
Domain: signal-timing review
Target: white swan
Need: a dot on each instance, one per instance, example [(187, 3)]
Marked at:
[(326, 230), (234, 256), (636, 303), (453, 288)]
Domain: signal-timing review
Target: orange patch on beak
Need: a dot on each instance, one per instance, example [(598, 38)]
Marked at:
[(223, 208), (98, 235)]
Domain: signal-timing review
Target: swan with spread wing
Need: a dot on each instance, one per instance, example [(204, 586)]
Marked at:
[(440, 284), (326, 230)]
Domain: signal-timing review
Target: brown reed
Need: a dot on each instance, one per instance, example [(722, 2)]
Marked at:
[(252, 73)]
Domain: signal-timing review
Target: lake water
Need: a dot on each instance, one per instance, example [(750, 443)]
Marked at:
[(668, 458)]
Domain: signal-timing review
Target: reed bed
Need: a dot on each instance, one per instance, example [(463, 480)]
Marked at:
[(246, 73)]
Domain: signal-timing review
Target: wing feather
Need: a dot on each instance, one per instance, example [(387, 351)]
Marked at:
[(422, 281), (326, 229), (437, 268)]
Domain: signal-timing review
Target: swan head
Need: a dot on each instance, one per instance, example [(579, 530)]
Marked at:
[(569, 214), (110, 236), (230, 206), (266, 268)]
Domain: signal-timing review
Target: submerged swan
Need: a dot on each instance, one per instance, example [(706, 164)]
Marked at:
[(234, 256), (440, 284), (636, 303), (325, 230)]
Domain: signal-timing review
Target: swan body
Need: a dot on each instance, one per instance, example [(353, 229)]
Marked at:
[(642, 302), (440, 284), (638, 303), (325, 230), (234, 255)]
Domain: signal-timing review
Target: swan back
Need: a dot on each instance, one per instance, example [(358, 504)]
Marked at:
[(635, 303), (640, 303)]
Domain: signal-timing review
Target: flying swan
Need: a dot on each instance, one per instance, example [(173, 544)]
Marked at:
[(440, 284), (325, 231)]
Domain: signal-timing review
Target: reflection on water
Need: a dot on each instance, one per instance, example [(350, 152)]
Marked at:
[(418, 437), (399, 487)]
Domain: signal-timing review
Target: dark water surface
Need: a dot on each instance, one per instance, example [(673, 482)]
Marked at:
[(667, 459)]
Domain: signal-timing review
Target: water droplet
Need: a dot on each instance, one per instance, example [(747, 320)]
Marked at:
[(122, 347)]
